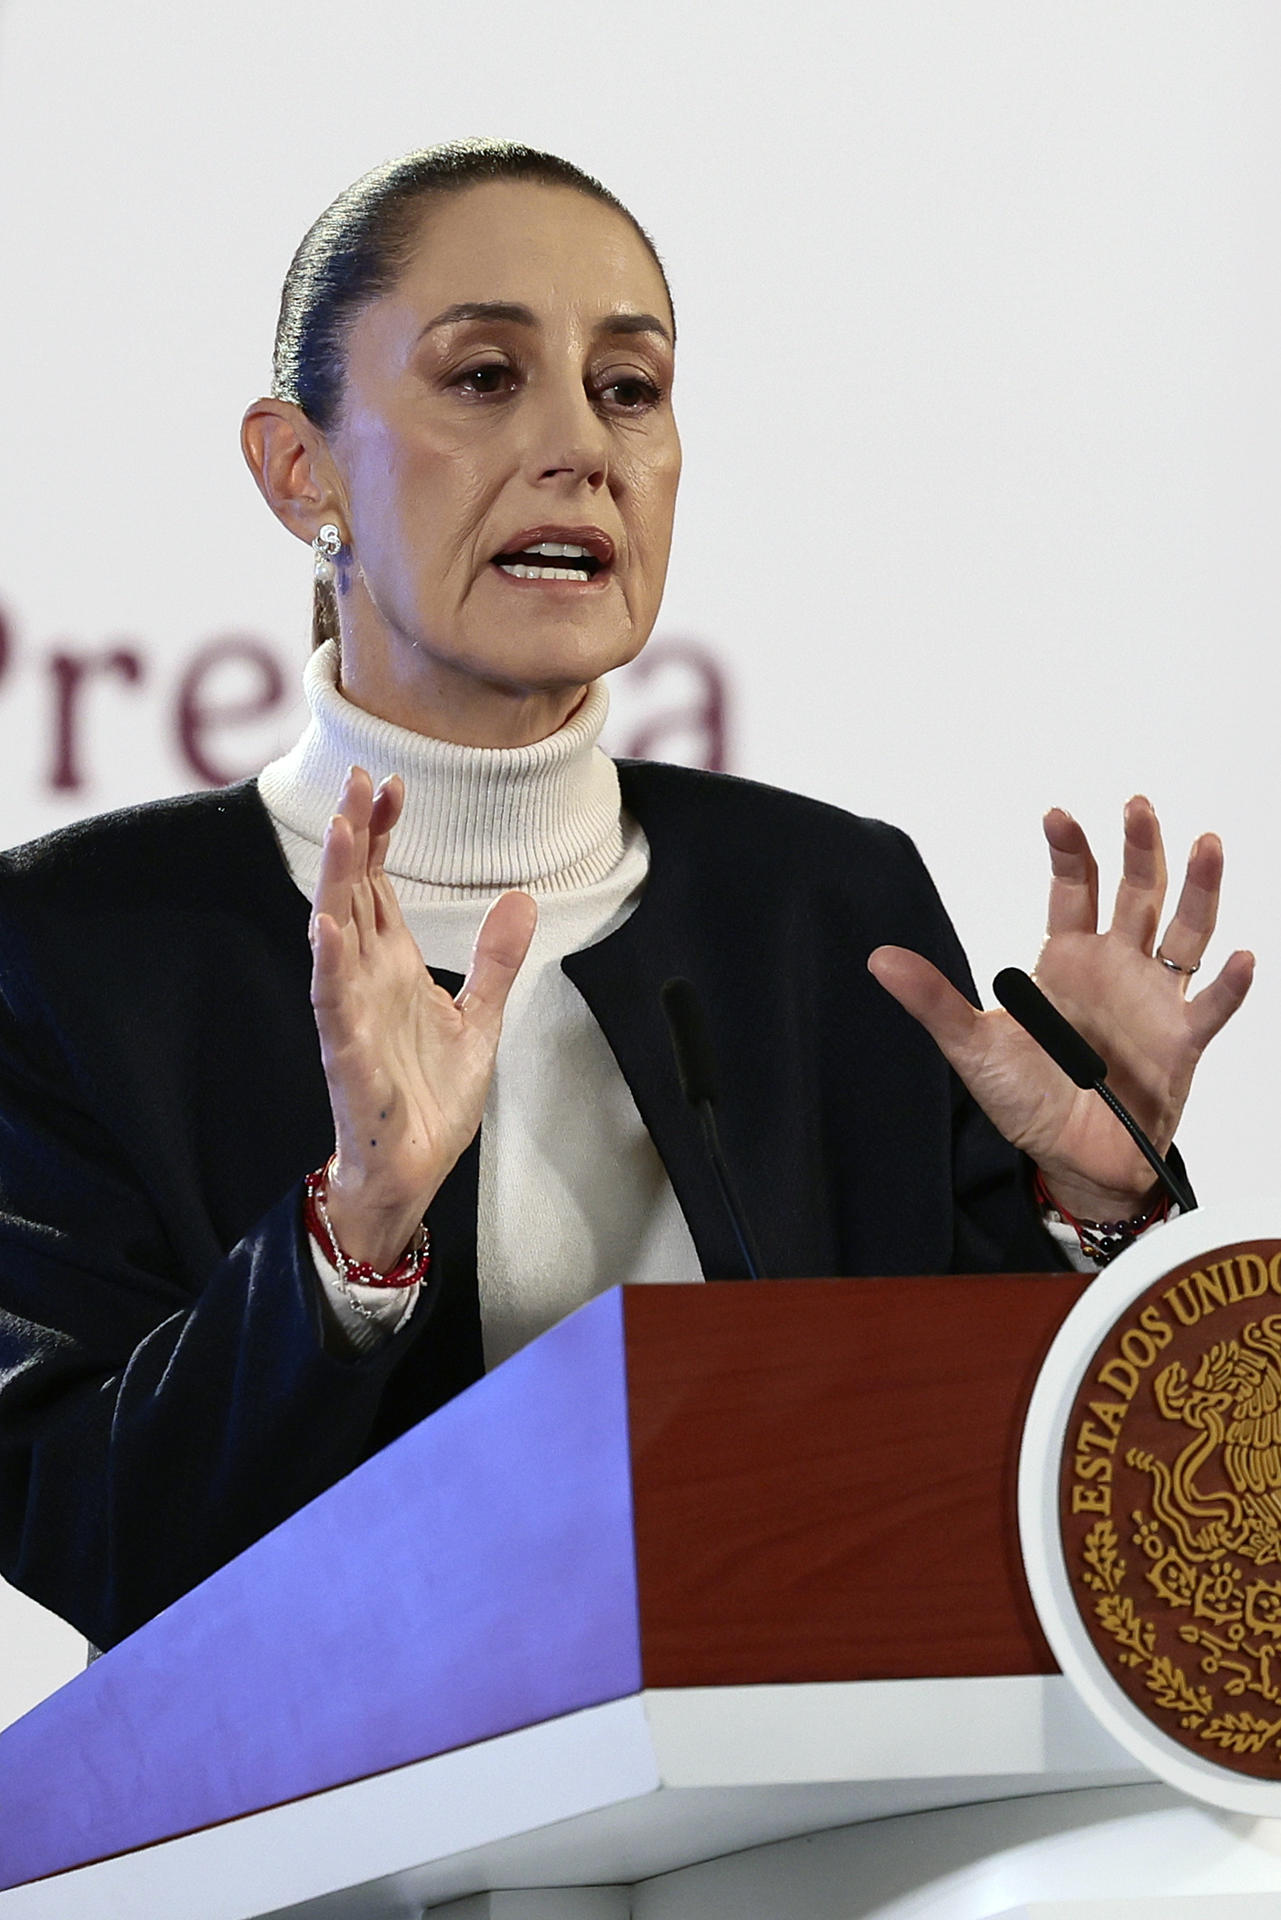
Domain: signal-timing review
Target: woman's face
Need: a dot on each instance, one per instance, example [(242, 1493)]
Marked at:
[(511, 396)]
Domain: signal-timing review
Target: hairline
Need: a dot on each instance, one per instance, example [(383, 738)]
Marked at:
[(421, 198)]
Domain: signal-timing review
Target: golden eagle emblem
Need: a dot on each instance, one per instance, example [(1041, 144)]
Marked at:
[(1233, 1405), (1171, 1509)]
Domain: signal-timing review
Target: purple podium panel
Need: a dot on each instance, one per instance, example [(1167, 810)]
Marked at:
[(475, 1577)]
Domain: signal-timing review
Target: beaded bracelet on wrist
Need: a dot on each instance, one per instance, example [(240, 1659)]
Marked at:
[(1102, 1240), (411, 1267)]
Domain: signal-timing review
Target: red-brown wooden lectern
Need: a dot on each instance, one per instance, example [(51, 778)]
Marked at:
[(703, 1566)]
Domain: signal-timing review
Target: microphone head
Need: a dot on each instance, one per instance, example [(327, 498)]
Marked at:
[(1019, 994), (690, 1044)]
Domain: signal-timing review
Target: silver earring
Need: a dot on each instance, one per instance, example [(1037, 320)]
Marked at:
[(325, 548)]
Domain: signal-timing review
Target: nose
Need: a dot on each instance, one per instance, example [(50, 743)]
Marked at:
[(569, 441)]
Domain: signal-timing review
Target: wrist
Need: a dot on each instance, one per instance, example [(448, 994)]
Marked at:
[(1101, 1238), (1082, 1200), (373, 1222)]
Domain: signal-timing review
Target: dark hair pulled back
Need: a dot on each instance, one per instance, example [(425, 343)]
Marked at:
[(356, 251)]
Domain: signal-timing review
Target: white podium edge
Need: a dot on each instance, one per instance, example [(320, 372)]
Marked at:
[(657, 1781)]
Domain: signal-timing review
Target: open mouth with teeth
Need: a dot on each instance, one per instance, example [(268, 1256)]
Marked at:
[(549, 560)]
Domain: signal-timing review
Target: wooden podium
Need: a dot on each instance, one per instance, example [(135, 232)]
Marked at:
[(704, 1569)]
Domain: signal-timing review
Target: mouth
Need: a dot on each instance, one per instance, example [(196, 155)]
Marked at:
[(573, 556)]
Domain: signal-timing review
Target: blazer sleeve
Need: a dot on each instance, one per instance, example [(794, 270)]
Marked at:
[(153, 1422)]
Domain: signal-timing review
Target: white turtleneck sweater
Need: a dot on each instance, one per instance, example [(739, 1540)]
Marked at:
[(572, 1195)]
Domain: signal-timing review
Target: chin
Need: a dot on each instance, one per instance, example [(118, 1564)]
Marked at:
[(566, 657)]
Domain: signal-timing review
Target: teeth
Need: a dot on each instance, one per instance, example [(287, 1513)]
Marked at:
[(517, 572), (556, 550)]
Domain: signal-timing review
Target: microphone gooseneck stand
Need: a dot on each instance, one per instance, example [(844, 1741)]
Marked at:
[(697, 1071)]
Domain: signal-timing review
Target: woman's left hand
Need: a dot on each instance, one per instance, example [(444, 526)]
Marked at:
[(1133, 1010)]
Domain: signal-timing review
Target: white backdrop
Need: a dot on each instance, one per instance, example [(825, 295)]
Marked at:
[(978, 308)]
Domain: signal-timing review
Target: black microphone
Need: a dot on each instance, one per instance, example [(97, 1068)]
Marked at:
[(1019, 994), (696, 1069)]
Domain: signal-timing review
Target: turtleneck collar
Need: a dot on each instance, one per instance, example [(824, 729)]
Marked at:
[(476, 819)]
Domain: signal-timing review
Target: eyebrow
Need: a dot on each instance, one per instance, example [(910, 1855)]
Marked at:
[(522, 316)]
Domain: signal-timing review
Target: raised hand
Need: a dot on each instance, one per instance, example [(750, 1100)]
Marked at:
[(1126, 994), (408, 1067)]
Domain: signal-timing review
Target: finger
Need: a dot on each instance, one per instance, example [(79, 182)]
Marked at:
[(929, 997), (388, 917), (356, 804), (1023, 1093), (388, 803), (1141, 894), (1188, 934), (501, 946), (357, 808), (364, 913), (333, 887), (1214, 1006), (1074, 876), (328, 977)]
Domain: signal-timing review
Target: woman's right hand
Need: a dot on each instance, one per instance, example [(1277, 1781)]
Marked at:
[(408, 1067)]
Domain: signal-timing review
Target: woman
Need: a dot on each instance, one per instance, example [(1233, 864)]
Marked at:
[(205, 1189)]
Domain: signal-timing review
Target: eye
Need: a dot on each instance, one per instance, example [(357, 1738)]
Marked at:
[(629, 393), (489, 377)]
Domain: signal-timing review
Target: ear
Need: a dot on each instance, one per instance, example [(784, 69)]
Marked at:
[(290, 460)]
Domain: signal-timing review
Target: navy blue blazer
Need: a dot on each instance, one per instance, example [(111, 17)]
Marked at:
[(166, 1395)]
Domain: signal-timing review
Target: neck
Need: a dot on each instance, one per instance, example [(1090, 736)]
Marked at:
[(476, 819)]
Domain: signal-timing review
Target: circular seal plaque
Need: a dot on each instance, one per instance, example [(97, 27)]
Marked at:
[(1150, 1503)]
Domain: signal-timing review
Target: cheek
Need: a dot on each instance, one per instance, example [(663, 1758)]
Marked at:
[(653, 485), (416, 503)]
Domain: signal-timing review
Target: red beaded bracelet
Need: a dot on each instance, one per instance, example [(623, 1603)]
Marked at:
[(411, 1266), (1102, 1240)]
